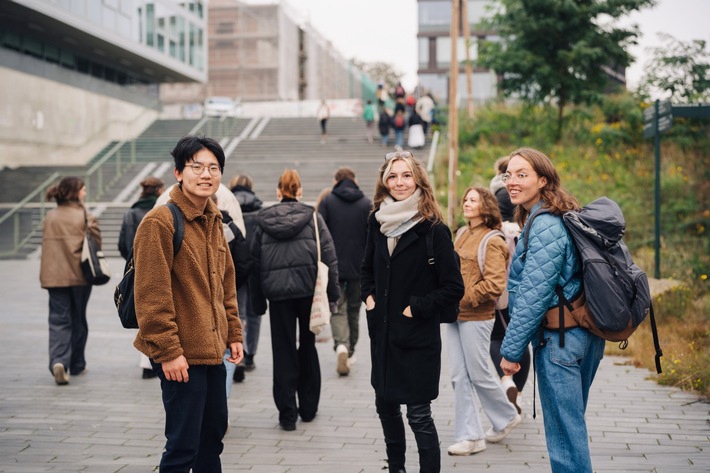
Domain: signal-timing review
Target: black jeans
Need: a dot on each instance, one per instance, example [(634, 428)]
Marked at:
[(422, 425), (195, 419), (296, 370)]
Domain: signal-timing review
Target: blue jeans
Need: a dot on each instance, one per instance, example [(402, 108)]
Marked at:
[(399, 137), (471, 370), (564, 378)]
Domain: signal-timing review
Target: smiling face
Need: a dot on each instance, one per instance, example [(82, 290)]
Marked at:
[(523, 183), (200, 187), (471, 205), (400, 180)]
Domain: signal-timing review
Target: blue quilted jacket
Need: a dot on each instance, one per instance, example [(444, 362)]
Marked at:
[(551, 260)]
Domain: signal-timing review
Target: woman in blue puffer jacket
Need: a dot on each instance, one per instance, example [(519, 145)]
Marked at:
[(564, 374)]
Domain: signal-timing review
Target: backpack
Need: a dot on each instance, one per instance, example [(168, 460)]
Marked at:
[(240, 252), (616, 291), (123, 294), (399, 121), (449, 314), (510, 232)]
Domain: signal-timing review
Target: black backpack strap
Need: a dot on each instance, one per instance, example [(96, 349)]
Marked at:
[(654, 331), (430, 249), (179, 232), (563, 302)]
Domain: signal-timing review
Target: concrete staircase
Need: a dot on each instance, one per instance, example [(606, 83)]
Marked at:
[(260, 147)]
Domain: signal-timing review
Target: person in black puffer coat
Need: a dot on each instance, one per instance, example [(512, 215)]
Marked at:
[(285, 267)]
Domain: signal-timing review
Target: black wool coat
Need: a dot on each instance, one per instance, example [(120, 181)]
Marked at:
[(406, 352)]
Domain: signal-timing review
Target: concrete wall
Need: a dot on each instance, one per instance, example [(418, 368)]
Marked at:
[(43, 122)]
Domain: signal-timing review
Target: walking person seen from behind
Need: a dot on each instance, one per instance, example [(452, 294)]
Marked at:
[(285, 267), (345, 211), (60, 273), (564, 374), (186, 307), (469, 338), (404, 297)]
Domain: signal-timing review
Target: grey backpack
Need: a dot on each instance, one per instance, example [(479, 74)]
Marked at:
[(617, 294)]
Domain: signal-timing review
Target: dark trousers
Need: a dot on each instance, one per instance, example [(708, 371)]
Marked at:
[(68, 329), (346, 323), (422, 425), (195, 419), (296, 370)]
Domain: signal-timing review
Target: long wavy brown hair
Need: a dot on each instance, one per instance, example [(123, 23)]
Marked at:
[(490, 213), (428, 206), (554, 196)]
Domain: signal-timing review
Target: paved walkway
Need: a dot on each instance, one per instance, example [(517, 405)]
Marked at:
[(111, 420)]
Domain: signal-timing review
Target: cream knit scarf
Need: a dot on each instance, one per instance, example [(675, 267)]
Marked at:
[(396, 217)]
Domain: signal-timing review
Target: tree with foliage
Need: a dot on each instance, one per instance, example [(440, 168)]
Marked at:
[(558, 51), (380, 72), (680, 69)]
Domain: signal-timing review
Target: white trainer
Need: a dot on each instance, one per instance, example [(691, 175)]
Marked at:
[(494, 436), (342, 367), (467, 447)]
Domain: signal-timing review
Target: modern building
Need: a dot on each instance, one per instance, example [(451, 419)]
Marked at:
[(434, 38), (266, 51), (78, 73)]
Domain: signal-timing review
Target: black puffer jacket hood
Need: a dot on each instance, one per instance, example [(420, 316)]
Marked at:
[(248, 201), (284, 221)]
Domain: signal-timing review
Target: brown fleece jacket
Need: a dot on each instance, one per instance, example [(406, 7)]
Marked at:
[(186, 305), (478, 302)]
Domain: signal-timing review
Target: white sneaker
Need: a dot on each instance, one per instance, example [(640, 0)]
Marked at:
[(494, 436), (342, 367), (61, 377), (352, 360), (467, 447)]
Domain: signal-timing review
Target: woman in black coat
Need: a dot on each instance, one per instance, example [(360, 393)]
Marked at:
[(404, 296)]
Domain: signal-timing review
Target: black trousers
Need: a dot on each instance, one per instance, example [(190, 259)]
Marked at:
[(425, 434), (68, 328), (296, 370), (195, 419)]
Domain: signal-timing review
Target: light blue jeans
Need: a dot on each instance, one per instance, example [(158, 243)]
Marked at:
[(471, 369), (564, 377)]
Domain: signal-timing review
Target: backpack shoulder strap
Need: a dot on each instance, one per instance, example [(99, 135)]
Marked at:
[(482, 247), (179, 233), (430, 248), (528, 226)]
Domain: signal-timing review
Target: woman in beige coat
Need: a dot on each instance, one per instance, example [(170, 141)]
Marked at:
[(60, 273)]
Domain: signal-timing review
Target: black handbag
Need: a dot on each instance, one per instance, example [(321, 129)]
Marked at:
[(93, 263)]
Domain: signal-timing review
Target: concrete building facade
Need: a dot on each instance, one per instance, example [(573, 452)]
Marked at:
[(265, 51), (75, 74)]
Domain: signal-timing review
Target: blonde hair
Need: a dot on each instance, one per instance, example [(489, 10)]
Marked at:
[(428, 206), (241, 180)]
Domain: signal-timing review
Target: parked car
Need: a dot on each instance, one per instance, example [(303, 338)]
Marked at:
[(220, 107)]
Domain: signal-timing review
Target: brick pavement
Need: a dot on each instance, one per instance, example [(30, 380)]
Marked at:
[(111, 420)]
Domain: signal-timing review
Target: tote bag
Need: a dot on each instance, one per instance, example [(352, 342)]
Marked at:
[(93, 263), (320, 309)]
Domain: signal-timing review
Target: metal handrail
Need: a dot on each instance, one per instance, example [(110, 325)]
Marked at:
[(14, 212)]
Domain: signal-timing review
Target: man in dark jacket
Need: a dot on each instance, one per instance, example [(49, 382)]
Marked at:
[(345, 211)]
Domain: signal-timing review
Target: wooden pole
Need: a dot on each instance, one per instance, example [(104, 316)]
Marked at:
[(467, 41), (453, 113)]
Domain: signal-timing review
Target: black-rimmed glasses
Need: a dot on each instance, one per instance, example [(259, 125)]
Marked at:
[(199, 168)]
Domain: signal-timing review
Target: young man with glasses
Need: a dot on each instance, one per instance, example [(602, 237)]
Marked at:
[(186, 307)]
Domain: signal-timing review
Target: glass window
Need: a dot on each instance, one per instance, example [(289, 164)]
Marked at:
[(443, 51), (423, 53), (434, 16)]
